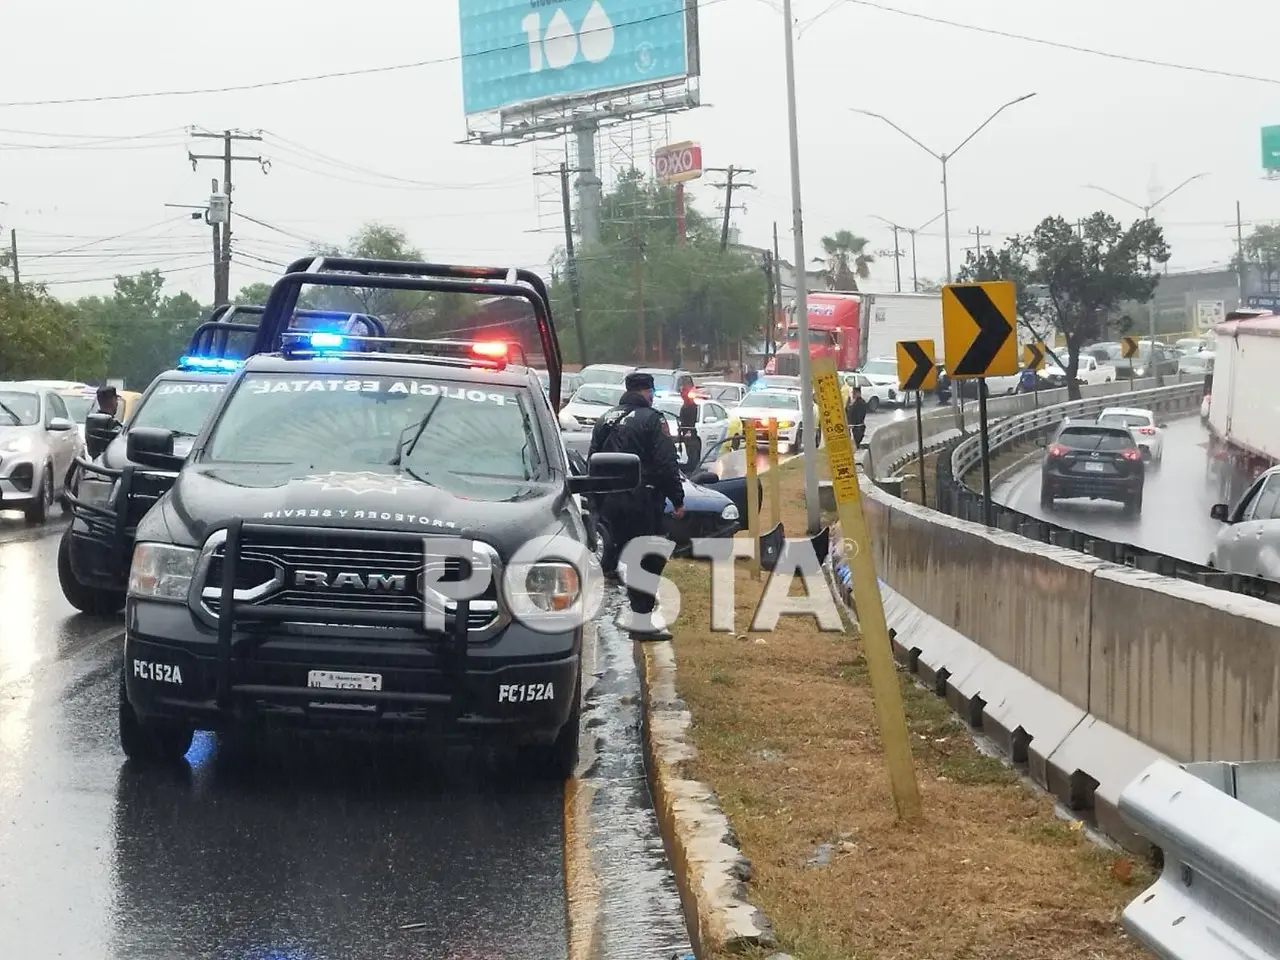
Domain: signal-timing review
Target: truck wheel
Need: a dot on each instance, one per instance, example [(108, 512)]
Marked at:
[(873, 405), (151, 742), (557, 760), (89, 600)]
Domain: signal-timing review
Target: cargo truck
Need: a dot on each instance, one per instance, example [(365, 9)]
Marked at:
[(1244, 406)]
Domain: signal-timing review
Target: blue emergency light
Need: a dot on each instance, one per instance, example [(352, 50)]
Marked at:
[(212, 364), (324, 340)]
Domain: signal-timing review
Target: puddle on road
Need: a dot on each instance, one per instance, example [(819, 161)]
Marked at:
[(638, 914)]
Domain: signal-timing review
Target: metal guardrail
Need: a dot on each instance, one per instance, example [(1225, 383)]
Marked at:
[(961, 455), (1218, 894)]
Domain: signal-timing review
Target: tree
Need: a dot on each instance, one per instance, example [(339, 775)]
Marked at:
[(1262, 250), (1083, 275), (42, 338), (144, 330), (845, 261), (646, 296)]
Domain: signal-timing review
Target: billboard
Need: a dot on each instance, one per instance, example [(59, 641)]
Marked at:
[(523, 51), (678, 162), (1271, 149)]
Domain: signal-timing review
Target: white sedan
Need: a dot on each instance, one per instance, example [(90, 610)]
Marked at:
[(1143, 424), (587, 404), (716, 425), (781, 407)]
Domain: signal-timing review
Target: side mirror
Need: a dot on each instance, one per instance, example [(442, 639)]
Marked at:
[(61, 425), (608, 473), (99, 430), (153, 447), (1219, 512)]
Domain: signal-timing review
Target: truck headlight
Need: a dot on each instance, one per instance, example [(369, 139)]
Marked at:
[(19, 444), (730, 512), (552, 587), (95, 492), (162, 571)]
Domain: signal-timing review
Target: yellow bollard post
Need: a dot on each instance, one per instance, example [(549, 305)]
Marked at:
[(753, 498), (876, 648), (774, 480)]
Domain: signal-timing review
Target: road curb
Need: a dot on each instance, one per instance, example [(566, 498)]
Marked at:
[(710, 870)]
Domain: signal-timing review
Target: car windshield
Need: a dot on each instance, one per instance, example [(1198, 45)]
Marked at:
[(880, 368), (179, 405), (1125, 420), (1199, 363), (599, 374), (18, 409), (78, 405), (774, 401), (662, 381), (432, 429), (598, 394), (724, 392), (1103, 352), (778, 383), (1092, 438)]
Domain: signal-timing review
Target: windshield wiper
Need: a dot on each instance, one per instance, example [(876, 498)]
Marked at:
[(402, 449), (16, 419)]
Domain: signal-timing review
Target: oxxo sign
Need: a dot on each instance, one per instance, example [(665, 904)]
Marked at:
[(678, 162)]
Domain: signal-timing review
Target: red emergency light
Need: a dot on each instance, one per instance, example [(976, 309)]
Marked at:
[(491, 349)]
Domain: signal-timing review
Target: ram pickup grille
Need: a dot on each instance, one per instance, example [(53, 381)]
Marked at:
[(365, 576)]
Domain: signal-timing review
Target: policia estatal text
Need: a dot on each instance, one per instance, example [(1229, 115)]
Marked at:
[(633, 426)]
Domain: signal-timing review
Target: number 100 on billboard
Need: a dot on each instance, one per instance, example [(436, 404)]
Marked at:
[(526, 51)]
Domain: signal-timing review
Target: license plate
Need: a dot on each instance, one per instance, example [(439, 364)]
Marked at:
[(1094, 467), (341, 680)]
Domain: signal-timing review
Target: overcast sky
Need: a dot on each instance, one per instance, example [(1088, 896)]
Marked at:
[(335, 145)]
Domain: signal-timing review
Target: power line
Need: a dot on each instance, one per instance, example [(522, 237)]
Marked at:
[(329, 75), (117, 236), (1058, 45)]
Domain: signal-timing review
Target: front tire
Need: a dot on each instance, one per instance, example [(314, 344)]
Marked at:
[(557, 760), (37, 511), (873, 405), (90, 600), (151, 742)]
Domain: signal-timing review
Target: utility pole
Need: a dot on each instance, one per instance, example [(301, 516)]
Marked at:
[(1240, 268), (978, 233), (769, 270), (730, 184), (777, 289), (571, 259), (13, 255), (896, 253), (222, 291)]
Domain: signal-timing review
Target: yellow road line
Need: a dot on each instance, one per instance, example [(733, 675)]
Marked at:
[(581, 884)]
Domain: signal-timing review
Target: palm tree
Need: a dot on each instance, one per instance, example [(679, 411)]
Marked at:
[(846, 262)]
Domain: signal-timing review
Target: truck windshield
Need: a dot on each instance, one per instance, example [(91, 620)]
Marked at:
[(815, 335), (431, 428), (180, 406)]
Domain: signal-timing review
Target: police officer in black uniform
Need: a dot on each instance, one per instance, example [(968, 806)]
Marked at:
[(633, 426), (689, 431)]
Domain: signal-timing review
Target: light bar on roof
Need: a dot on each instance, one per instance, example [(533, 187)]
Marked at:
[(213, 364)]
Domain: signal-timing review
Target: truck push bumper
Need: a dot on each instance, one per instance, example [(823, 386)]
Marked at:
[(321, 666)]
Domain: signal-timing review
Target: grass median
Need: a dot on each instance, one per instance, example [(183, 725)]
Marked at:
[(785, 729)]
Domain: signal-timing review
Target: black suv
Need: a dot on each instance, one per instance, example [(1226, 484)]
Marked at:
[(1093, 460), (296, 572)]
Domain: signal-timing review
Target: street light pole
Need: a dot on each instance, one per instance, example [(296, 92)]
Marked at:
[(942, 158), (813, 514), (1146, 209)]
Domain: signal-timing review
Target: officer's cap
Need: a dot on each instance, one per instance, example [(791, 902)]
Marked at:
[(639, 381)]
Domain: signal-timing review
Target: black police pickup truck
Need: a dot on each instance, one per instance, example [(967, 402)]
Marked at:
[(109, 494), (289, 573)]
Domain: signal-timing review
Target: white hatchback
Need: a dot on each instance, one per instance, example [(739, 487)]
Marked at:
[(1146, 429)]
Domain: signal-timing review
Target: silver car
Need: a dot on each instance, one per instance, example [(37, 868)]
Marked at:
[(38, 442)]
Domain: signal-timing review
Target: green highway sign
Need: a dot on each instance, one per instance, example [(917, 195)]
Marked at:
[(1271, 148)]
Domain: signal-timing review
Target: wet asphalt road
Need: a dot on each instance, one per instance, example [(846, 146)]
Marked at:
[(1175, 509), (303, 849)]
